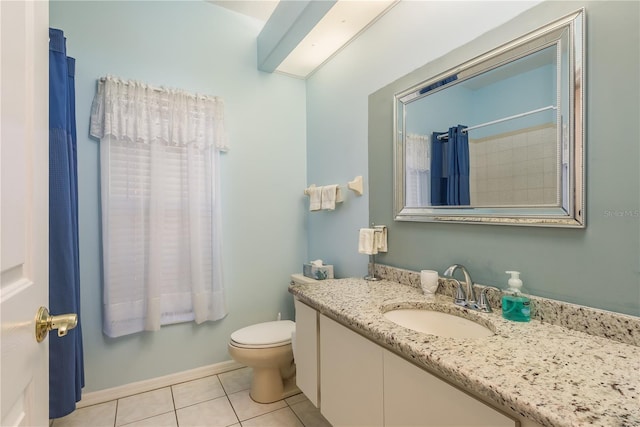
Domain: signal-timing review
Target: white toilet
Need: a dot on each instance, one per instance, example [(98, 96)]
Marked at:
[(266, 348)]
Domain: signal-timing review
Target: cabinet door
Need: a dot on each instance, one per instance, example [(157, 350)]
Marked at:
[(306, 356), (350, 377), (414, 397)]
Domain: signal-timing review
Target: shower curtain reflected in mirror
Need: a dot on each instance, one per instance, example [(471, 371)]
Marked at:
[(458, 167), (450, 168)]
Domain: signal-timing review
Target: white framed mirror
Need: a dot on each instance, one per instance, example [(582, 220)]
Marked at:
[(498, 139)]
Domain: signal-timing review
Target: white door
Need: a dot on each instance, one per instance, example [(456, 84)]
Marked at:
[(24, 169)]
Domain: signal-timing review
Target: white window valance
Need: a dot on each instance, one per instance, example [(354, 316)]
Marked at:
[(135, 111), (161, 217)]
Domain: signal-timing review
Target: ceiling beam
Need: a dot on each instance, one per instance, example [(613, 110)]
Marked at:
[(289, 23)]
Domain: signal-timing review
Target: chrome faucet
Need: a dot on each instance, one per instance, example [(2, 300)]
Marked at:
[(464, 298), (468, 299), (483, 302)]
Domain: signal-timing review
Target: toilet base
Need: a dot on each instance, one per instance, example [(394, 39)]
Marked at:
[(267, 386), (274, 371)]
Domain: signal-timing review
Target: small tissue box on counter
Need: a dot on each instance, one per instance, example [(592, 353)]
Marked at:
[(316, 270)]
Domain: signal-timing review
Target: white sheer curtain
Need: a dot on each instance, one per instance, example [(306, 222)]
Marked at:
[(161, 227), (418, 165)]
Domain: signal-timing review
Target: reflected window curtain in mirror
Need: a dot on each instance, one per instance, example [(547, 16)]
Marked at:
[(418, 165), (161, 227)]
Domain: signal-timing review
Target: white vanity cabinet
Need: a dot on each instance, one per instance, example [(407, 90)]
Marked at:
[(414, 397), (363, 384), (356, 382), (306, 356), (351, 377)]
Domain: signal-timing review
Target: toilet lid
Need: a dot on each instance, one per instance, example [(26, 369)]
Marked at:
[(265, 334)]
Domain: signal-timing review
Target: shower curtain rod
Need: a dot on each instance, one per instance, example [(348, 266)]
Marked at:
[(504, 119)]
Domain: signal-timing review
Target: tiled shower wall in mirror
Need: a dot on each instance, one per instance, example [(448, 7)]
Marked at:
[(515, 168)]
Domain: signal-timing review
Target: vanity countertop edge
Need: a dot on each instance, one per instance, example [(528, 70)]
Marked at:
[(550, 374)]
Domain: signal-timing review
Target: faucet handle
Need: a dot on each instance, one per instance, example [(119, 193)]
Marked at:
[(460, 298), (483, 302)]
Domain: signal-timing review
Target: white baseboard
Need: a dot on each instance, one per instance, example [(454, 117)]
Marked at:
[(106, 395)]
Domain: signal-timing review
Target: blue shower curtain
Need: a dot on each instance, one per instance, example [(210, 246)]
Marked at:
[(450, 168), (438, 171), (458, 167), (66, 366)]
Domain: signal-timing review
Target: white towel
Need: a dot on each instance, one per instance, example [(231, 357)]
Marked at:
[(329, 197), (315, 197), (366, 242), (380, 238)]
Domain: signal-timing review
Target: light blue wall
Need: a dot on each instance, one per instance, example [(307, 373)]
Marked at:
[(198, 47), (337, 97), (598, 266), (439, 111), (523, 92), (467, 105)]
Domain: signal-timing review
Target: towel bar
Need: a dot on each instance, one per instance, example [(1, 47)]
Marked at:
[(355, 185)]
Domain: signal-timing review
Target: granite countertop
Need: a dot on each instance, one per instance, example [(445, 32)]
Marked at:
[(550, 374)]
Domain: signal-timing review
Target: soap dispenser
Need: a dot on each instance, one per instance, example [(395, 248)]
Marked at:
[(516, 306)]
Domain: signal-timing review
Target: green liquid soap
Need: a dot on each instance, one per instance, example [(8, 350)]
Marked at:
[(515, 306)]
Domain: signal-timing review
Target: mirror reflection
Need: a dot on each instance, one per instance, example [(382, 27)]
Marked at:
[(489, 156), (500, 135)]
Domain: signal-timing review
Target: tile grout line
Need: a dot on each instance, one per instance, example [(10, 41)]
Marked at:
[(229, 400), (295, 414), (175, 409), (233, 409), (150, 416), (173, 400)]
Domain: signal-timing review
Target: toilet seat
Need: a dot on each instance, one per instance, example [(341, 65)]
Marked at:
[(264, 335)]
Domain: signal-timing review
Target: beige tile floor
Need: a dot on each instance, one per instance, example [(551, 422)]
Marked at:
[(219, 400)]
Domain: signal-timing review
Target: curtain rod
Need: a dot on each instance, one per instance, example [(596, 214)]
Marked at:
[(126, 82), (164, 89), (504, 119)]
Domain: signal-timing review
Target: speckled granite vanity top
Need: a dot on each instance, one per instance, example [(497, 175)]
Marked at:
[(550, 374)]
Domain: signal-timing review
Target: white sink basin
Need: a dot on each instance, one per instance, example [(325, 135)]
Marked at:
[(438, 323)]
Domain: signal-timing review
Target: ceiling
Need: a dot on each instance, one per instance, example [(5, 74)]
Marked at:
[(344, 21), (259, 9)]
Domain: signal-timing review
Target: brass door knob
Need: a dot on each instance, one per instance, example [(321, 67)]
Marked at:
[(45, 323)]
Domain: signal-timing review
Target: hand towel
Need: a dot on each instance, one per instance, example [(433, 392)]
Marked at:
[(329, 193), (366, 242), (380, 238), (315, 197)]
